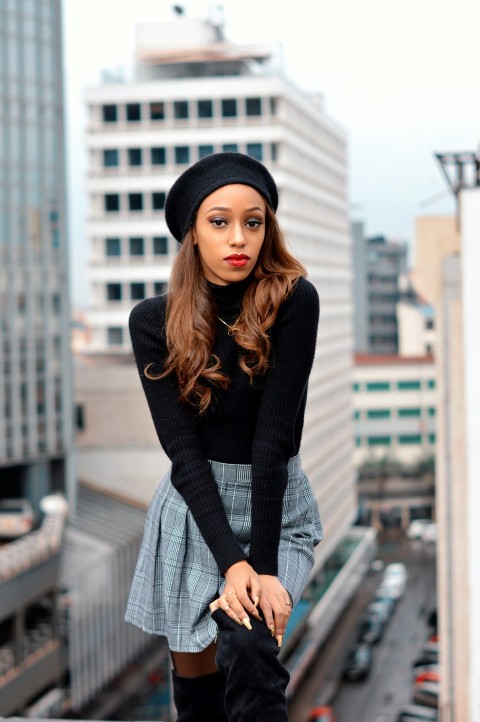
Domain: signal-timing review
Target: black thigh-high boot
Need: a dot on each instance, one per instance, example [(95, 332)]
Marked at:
[(199, 699), (256, 679)]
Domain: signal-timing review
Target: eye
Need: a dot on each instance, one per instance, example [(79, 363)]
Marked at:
[(254, 223), (218, 222)]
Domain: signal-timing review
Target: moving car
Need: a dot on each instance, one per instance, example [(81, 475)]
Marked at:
[(321, 714), (430, 534), (16, 518), (358, 663), (417, 713), (430, 675), (417, 527)]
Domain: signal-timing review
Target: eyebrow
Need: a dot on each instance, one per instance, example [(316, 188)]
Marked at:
[(223, 208)]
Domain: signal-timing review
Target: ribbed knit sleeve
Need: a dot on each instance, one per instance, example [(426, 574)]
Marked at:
[(191, 473), (283, 399)]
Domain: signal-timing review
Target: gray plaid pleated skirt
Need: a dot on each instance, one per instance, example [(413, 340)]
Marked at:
[(176, 576)]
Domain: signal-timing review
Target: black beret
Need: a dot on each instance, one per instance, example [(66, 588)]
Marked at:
[(204, 177)]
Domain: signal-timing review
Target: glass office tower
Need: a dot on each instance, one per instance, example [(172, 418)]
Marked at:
[(35, 377)]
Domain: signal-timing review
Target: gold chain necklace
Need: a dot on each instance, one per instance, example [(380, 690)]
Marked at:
[(231, 329)]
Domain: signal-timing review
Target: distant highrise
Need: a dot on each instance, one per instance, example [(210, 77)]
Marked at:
[(35, 377), (377, 267)]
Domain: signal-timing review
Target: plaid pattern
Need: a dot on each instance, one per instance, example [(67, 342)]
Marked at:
[(176, 576)]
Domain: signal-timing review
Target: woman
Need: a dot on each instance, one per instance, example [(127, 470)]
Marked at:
[(224, 361)]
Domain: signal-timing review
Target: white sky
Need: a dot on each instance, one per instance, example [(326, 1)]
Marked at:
[(402, 78)]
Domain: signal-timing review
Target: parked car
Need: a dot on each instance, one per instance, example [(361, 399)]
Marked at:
[(382, 607), (430, 533), (369, 629), (321, 714), (396, 571), (430, 675), (421, 669), (16, 518), (358, 663), (427, 694), (417, 713), (430, 651), (394, 588), (417, 527)]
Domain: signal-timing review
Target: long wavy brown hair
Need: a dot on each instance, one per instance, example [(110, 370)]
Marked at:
[(191, 317)]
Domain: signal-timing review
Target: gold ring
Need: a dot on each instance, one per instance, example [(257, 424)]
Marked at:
[(227, 607), (289, 604)]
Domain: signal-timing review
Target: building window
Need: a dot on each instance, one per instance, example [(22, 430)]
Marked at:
[(134, 156), (115, 336), (158, 156), (431, 383), (274, 151), (356, 414), (157, 111), (432, 411), (230, 148), (255, 150), (432, 438), (159, 287), (137, 247), (109, 113), (378, 386), (135, 202), (378, 414), (180, 110), (182, 154), (356, 387), (273, 106), (137, 291), (112, 202), (229, 108), (134, 112), (358, 441), (253, 106), (114, 291), (158, 201), (205, 109), (429, 324), (113, 247), (379, 440), (110, 158), (79, 417), (409, 413), (204, 150), (160, 246), (408, 385), (410, 439)]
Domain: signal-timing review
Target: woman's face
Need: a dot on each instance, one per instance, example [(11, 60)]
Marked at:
[(229, 232)]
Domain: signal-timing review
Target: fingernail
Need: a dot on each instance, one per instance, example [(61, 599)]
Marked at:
[(246, 622), (279, 640), (257, 616), (272, 629), (238, 620), (256, 601)]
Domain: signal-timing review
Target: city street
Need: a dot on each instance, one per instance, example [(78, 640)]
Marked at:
[(388, 687)]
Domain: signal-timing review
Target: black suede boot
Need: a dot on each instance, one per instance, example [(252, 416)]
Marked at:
[(199, 699), (256, 679)]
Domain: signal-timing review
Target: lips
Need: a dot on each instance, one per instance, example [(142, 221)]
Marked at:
[(238, 260)]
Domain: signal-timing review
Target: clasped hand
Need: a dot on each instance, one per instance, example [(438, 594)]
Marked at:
[(247, 592)]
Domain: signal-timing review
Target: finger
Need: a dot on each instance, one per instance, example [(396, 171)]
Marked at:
[(255, 591), (248, 605), (267, 612), (235, 609)]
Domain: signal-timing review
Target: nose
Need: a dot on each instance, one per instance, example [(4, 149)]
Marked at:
[(238, 235)]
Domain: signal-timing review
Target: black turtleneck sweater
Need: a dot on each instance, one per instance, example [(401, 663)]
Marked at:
[(259, 424)]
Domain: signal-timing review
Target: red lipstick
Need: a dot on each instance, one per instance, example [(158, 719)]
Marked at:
[(237, 259)]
